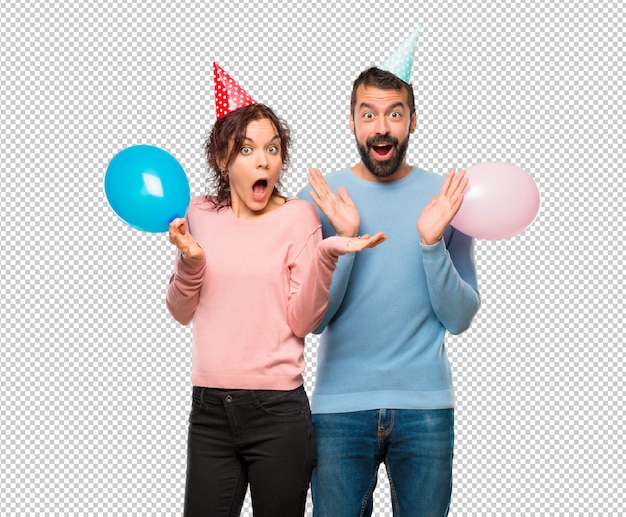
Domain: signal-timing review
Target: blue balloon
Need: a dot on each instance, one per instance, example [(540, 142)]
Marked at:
[(146, 187)]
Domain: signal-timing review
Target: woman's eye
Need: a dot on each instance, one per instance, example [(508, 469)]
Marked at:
[(273, 149), (246, 150)]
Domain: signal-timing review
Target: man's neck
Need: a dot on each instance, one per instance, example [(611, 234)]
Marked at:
[(361, 171)]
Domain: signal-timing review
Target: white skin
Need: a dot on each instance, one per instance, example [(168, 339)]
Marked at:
[(386, 112), (252, 176)]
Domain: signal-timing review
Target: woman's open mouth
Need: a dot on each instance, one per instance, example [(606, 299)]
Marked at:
[(259, 189)]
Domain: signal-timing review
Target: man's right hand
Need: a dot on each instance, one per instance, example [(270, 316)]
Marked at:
[(339, 209)]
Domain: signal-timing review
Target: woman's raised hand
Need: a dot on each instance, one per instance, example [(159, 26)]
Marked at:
[(179, 236)]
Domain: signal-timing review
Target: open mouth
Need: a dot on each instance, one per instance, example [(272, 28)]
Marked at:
[(259, 188), (382, 151)]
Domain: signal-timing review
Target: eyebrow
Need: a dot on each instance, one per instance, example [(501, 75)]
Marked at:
[(248, 139), (366, 105)]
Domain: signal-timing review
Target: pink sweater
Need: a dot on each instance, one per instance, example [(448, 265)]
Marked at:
[(262, 287)]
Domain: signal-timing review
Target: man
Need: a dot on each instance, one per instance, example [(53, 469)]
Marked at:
[(383, 391)]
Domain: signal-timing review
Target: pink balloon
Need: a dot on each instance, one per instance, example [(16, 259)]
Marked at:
[(501, 200)]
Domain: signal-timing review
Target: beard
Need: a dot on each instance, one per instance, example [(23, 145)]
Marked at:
[(386, 168)]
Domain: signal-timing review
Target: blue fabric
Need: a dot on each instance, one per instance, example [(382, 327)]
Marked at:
[(415, 446), (382, 342)]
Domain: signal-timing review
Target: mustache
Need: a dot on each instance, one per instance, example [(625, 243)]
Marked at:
[(382, 139)]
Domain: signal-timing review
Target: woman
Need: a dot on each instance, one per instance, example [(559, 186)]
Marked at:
[(253, 274)]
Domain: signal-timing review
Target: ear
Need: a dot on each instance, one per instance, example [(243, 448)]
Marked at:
[(222, 163), (413, 123), (351, 123)]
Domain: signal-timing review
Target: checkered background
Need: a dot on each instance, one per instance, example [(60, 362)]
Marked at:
[(94, 373)]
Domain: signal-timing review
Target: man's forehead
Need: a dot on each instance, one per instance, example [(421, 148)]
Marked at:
[(369, 96)]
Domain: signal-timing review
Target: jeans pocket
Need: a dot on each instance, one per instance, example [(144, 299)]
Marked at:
[(282, 403), (196, 405)]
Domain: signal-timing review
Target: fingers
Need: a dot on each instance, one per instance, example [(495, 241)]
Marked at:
[(315, 172), (456, 182), (344, 196), (377, 239), (457, 190), (458, 179), (320, 191), (178, 225), (365, 241), (447, 181), (453, 189), (322, 194), (177, 229), (318, 183), (453, 181), (460, 193)]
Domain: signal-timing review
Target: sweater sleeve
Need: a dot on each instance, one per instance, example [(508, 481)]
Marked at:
[(338, 288), (452, 283), (183, 291), (310, 279), (341, 275)]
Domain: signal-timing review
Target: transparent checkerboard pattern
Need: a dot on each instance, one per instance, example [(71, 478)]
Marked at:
[(94, 376)]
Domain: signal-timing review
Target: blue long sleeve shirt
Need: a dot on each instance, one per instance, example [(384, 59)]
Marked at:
[(382, 337)]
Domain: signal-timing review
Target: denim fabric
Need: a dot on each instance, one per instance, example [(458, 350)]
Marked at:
[(416, 447), (236, 437)]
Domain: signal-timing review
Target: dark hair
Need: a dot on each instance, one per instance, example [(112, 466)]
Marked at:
[(226, 138), (377, 78)]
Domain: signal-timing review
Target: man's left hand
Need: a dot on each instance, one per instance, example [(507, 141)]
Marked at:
[(437, 215)]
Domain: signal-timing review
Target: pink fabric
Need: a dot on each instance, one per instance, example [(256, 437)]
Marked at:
[(263, 286)]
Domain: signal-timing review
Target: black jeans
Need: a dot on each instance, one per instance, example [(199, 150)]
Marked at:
[(264, 438)]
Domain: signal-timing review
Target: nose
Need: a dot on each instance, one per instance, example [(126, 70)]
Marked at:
[(381, 125), (263, 162)]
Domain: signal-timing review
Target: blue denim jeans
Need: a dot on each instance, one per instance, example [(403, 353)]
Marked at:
[(263, 438), (416, 447)]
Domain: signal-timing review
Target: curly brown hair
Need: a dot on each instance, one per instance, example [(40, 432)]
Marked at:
[(226, 138)]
